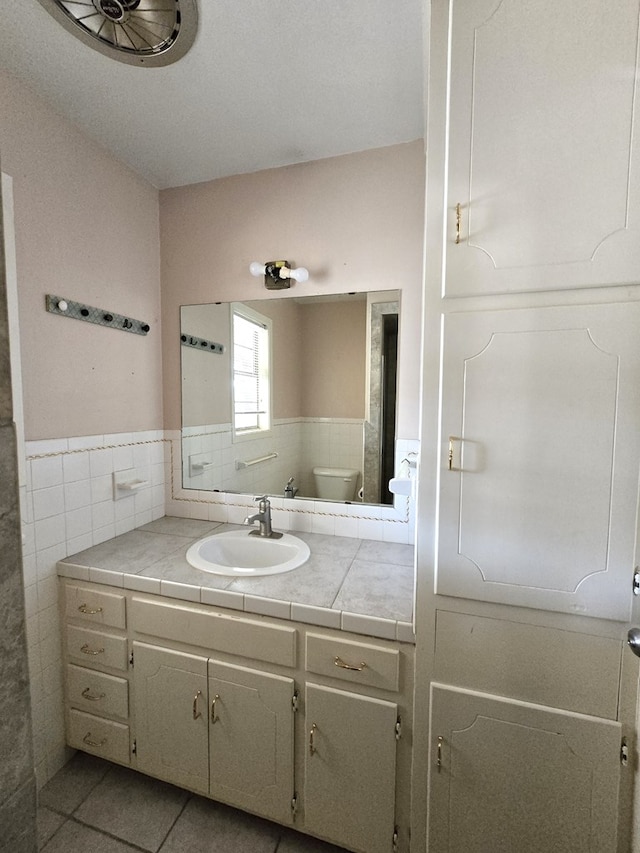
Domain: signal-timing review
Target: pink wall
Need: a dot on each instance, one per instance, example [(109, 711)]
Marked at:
[(87, 229), (334, 336), (355, 222)]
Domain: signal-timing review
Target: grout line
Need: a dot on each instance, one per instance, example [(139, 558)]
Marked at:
[(178, 816), (130, 844)]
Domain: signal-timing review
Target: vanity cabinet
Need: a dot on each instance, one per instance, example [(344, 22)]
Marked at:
[(302, 726), (532, 123)]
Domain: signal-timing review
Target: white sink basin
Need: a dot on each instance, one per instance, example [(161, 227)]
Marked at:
[(238, 554)]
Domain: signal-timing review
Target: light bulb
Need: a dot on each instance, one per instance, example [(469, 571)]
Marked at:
[(300, 274), (256, 268)]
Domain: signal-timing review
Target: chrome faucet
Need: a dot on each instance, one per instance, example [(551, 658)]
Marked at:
[(263, 516)]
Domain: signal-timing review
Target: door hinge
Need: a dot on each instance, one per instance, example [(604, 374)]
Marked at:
[(394, 840), (398, 728), (294, 805), (636, 581), (624, 752), (131, 659), (134, 747), (294, 700)]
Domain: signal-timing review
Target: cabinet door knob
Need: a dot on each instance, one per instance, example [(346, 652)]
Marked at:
[(312, 731)]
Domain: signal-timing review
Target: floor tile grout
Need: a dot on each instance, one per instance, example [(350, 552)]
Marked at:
[(178, 816)]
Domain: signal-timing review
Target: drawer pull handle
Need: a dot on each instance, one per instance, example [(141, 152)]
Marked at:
[(213, 708), (84, 608), (196, 713), (87, 694), (339, 662), (312, 748), (87, 651), (87, 739)]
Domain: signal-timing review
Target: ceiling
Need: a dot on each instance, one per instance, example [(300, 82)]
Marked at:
[(266, 83)]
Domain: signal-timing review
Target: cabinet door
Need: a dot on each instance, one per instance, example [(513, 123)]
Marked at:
[(349, 793), (539, 429), (251, 739), (170, 690), (542, 143), (508, 776)]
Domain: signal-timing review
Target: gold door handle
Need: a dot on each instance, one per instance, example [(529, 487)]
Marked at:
[(339, 662), (87, 694), (452, 438), (87, 651), (87, 739), (213, 708), (439, 758), (196, 713), (312, 731), (458, 222), (84, 608)]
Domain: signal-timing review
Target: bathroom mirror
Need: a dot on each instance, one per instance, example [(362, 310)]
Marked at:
[(275, 388)]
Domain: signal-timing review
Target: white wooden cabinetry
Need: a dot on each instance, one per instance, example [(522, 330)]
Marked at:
[(350, 768), (508, 776), (540, 457), (532, 384), (170, 700), (224, 705), (215, 728), (251, 739), (533, 119), (97, 690)]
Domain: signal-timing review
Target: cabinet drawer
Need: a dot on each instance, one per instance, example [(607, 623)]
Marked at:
[(90, 605), (211, 630), (359, 663), (96, 647), (97, 692), (100, 737)]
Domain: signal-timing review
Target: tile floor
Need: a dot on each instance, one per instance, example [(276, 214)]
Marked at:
[(92, 806)]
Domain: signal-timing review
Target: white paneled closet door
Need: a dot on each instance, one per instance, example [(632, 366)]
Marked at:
[(540, 455), (543, 180)]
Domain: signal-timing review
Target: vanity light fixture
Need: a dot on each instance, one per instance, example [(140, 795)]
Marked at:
[(278, 274)]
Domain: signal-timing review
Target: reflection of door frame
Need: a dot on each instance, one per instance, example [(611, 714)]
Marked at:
[(373, 436)]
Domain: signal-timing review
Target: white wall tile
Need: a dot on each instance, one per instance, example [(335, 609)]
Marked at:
[(77, 494), (75, 466), (101, 462), (79, 523), (48, 502), (50, 532), (46, 472)]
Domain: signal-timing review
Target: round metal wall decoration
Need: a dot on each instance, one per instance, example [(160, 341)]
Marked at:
[(140, 32)]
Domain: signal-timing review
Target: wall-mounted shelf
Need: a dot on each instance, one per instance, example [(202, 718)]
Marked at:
[(98, 316)]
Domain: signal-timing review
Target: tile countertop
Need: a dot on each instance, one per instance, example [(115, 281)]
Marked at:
[(357, 585)]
